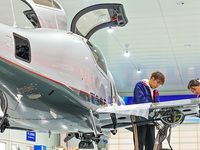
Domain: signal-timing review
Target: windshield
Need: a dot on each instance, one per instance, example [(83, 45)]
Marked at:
[(96, 17), (99, 58), (92, 19)]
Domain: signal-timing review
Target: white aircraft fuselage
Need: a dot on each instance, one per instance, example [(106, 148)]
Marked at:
[(55, 80), (57, 57), (60, 56)]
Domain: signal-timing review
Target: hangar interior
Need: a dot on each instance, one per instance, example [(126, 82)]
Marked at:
[(160, 36), (183, 137)]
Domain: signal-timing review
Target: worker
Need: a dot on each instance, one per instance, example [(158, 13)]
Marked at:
[(145, 92), (194, 86)]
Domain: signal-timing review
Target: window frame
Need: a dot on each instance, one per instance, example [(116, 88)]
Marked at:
[(17, 44), (98, 55)]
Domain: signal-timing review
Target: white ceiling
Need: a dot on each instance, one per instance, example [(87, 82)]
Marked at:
[(158, 34)]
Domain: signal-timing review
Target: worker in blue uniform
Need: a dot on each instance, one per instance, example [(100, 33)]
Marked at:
[(145, 92)]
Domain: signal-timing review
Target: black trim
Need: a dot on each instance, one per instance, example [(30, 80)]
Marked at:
[(22, 48), (121, 20), (107, 24), (32, 11), (32, 17)]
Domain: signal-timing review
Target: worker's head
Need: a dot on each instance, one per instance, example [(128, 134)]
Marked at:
[(157, 79), (194, 86)]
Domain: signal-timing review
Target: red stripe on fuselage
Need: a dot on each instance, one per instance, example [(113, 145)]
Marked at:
[(32, 71), (43, 76)]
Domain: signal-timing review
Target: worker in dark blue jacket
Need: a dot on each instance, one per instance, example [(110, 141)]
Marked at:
[(145, 92)]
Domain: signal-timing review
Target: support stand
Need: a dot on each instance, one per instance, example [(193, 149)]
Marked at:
[(133, 119), (161, 136)]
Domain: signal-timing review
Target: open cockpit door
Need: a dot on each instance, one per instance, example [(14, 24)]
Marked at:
[(96, 17), (46, 14)]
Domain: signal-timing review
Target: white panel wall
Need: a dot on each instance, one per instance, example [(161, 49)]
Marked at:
[(184, 137), (15, 137), (123, 140)]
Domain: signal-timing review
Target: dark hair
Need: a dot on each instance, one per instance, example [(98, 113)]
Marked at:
[(193, 82), (158, 75)]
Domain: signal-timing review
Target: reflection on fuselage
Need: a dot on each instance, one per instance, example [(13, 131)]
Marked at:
[(94, 99)]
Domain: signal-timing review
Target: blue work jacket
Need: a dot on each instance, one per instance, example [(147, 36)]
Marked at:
[(142, 94)]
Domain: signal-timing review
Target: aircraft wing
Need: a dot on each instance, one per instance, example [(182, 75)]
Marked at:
[(171, 112), (137, 110)]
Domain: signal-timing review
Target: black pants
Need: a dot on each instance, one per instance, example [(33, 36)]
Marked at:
[(146, 137)]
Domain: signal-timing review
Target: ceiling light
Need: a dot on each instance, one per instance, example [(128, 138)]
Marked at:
[(110, 29), (187, 45), (139, 71), (126, 53), (180, 3)]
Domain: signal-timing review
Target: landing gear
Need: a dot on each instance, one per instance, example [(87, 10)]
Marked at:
[(172, 117), (4, 123), (169, 118), (86, 145), (113, 131), (87, 140), (161, 135)]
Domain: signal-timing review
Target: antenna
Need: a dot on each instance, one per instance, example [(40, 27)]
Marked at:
[(14, 20)]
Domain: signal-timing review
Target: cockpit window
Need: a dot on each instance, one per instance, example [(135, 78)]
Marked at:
[(47, 3), (92, 19), (98, 57), (95, 17)]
